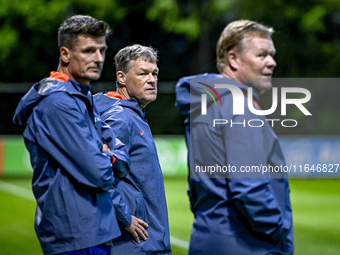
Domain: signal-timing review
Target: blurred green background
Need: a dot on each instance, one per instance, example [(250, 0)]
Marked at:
[(307, 40)]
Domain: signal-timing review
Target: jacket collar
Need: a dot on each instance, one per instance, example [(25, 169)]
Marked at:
[(84, 89)]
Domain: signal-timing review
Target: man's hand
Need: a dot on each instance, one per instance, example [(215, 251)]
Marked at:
[(137, 229), (105, 147)]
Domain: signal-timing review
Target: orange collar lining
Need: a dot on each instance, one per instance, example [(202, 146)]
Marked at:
[(114, 94), (59, 76)]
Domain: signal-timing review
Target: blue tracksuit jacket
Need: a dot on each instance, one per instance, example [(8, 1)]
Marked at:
[(142, 191), (72, 176), (234, 214)]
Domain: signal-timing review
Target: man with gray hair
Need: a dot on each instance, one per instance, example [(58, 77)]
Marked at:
[(236, 212), (142, 192)]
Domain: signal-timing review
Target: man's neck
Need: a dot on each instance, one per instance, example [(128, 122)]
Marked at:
[(123, 91), (229, 74), (63, 69)]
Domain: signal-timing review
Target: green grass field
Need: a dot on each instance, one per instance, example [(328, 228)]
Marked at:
[(316, 208)]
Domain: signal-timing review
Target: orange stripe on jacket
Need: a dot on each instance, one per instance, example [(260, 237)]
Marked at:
[(59, 76), (114, 159), (115, 95)]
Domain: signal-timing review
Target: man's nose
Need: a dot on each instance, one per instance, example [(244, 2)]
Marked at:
[(99, 57), (271, 61), (152, 78)]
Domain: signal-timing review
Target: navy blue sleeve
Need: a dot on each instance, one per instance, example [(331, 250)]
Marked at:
[(118, 149), (108, 136), (73, 142), (122, 131), (122, 210)]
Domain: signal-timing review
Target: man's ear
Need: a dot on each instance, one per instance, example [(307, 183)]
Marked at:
[(233, 58), (65, 54), (121, 78)]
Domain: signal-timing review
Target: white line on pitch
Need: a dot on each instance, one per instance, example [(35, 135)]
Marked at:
[(16, 190), (179, 242), (27, 194)]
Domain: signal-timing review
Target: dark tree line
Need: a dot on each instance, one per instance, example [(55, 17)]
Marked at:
[(307, 40)]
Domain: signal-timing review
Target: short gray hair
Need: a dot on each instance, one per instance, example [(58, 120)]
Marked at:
[(133, 52)]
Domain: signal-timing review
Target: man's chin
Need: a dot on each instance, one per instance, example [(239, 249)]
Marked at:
[(93, 76), (263, 87), (150, 99)]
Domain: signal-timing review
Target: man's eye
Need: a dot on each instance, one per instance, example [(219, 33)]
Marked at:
[(89, 51)]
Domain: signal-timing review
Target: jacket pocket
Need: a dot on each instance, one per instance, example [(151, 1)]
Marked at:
[(140, 211)]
